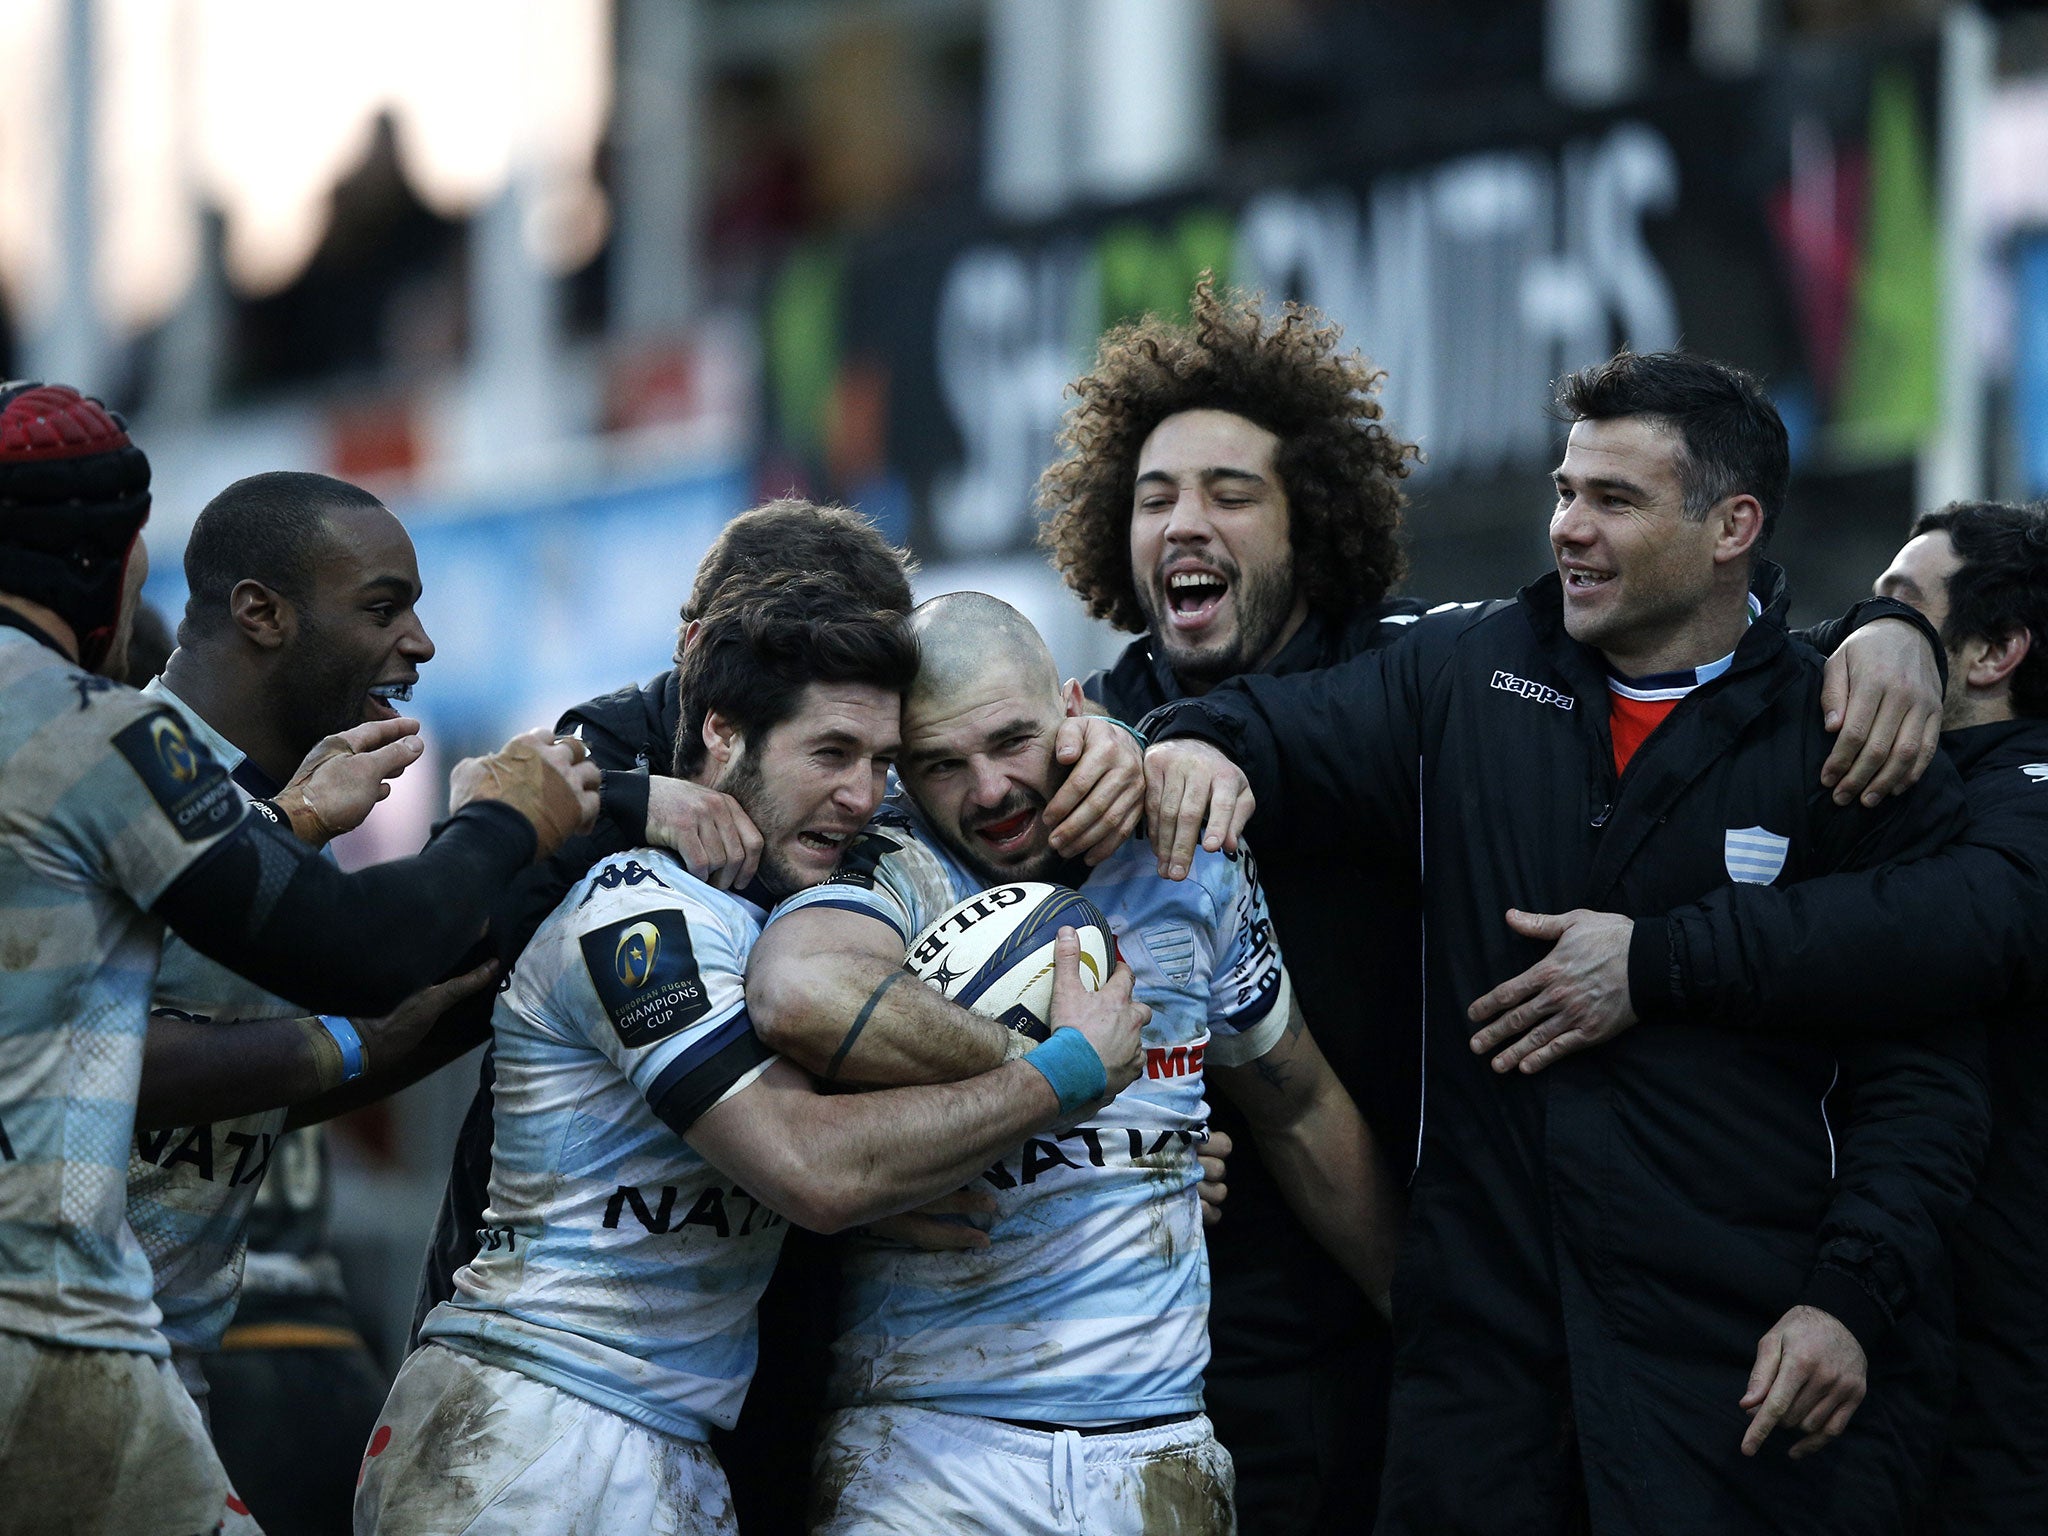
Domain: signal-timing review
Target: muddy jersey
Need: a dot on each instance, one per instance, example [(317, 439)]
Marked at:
[(616, 1264), (1091, 1303), (190, 1189), (106, 798)]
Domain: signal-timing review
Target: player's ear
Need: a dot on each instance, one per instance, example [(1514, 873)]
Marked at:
[(690, 635), (1074, 699), (263, 616), (721, 738)]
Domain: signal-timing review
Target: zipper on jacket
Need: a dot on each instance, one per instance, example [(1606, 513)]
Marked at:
[(1600, 816)]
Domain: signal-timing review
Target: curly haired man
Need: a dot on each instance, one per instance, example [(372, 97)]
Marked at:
[(1230, 490)]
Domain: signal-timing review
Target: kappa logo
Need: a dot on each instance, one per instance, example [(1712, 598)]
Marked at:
[(2038, 772), (1754, 856), (1542, 693)]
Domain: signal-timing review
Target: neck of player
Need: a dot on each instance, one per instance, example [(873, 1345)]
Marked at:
[(230, 697)]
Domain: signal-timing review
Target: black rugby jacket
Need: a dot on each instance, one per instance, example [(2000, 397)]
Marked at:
[(1967, 928), (1594, 1251)]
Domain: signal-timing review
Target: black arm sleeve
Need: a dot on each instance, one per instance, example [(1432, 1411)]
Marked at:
[(268, 908), (1903, 947), (1913, 1141), (1828, 635)]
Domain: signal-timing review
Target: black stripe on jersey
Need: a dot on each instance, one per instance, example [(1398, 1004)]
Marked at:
[(699, 1078)]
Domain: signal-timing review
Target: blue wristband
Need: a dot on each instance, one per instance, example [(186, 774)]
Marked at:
[(351, 1044), (1070, 1064)]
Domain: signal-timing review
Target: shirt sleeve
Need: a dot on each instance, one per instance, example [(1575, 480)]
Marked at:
[(661, 994), (152, 803), (889, 875), (1250, 996)]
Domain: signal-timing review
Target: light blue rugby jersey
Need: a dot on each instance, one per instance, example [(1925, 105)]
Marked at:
[(191, 1189), (617, 1264), (105, 799), (1091, 1304)]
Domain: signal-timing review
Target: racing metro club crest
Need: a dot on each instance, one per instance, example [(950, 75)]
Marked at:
[(1753, 855)]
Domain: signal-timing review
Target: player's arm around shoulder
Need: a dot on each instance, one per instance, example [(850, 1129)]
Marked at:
[(830, 1161)]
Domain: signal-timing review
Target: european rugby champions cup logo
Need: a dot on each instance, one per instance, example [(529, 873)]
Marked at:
[(174, 751), (638, 949), (644, 970)]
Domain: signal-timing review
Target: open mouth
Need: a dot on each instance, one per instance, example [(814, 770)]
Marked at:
[(385, 696), (1009, 834), (1581, 578), (1194, 596), (824, 842)]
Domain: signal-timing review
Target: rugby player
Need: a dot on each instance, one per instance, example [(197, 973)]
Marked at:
[(1963, 932), (1231, 492), (631, 734), (115, 823), (1053, 1381), (1593, 1254), (649, 1146), (301, 625)]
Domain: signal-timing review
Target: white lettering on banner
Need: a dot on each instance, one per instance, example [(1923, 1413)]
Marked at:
[(1473, 283)]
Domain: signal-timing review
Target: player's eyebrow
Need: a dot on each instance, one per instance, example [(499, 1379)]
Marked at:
[(1207, 476), (1021, 725), (395, 584), (1627, 488), (1889, 585)]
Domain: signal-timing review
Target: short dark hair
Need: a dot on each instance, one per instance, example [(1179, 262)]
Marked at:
[(266, 528), (2001, 585), (791, 537), (1731, 437), (762, 643)]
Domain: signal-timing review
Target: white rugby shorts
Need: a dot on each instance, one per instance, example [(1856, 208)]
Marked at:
[(897, 1470), (468, 1449), (106, 1441)]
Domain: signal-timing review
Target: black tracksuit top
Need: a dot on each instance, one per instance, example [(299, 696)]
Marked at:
[(1593, 1251), (1966, 929)]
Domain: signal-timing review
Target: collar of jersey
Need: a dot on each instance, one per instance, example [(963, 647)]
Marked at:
[(225, 752), (1657, 687)]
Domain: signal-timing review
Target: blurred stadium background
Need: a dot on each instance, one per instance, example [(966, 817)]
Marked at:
[(569, 282)]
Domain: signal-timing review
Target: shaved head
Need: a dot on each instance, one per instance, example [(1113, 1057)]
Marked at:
[(979, 729), (968, 642)]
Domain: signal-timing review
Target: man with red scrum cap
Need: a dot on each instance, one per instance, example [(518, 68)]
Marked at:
[(115, 822)]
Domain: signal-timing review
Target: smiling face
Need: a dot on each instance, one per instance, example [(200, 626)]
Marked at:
[(1643, 583), (979, 762), (812, 781), (1210, 553), (358, 644)]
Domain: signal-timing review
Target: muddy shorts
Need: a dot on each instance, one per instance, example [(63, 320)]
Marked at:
[(908, 1471), (106, 1441), (468, 1449)]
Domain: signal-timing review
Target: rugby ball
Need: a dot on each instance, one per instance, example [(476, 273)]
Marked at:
[(993, 952)]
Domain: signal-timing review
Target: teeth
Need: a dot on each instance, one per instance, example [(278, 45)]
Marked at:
[(1194, 579)]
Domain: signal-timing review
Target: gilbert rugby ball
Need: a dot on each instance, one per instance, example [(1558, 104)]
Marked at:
[(993, 953)]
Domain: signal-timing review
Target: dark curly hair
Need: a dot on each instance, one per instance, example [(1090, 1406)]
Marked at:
[(1340, 466)]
